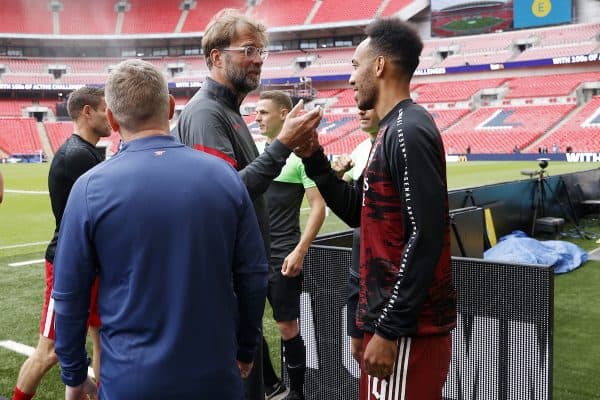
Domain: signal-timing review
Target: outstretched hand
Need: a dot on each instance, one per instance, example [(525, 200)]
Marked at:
[(298, 129), (309, 147)]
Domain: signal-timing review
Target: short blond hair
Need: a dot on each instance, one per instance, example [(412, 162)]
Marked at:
[(223, 28), (136, 92)]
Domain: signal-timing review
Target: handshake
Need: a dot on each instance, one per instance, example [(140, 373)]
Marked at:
[(299, 132)]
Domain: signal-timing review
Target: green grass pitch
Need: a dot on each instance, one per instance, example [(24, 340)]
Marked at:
[(472, 24), (26, 219)]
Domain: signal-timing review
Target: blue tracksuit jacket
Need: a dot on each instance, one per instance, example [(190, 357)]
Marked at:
[(172, 235)]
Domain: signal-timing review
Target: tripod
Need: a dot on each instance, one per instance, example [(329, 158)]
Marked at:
[(539, 201)]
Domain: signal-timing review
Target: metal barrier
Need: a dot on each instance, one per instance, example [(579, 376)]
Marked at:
[(502, 346)]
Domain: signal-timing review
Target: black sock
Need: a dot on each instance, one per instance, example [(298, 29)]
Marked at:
[(269, 376), (295, 361)]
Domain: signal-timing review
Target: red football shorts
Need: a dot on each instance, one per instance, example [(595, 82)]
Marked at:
[(419, 372), (47, 322)]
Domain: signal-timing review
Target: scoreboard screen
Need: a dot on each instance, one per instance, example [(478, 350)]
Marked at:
[(531, 13), (470, 17)]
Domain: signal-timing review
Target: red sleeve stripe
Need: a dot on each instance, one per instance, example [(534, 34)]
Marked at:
[(216, 153)]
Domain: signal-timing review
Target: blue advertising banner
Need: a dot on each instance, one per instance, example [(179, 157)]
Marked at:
[(530, 13)]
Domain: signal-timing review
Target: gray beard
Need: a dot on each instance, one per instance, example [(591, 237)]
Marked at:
[(240, 81), (246, 84)]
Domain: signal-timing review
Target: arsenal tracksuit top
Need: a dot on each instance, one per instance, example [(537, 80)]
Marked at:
[(401, 206)]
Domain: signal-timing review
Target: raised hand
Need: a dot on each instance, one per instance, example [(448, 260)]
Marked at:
[(297, 129), (309, 147)]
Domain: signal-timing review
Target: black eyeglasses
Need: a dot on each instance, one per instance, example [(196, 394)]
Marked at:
[(250, 51)]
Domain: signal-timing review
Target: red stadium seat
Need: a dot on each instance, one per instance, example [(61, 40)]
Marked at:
[(19, 136), (581, 132), (486, 130)]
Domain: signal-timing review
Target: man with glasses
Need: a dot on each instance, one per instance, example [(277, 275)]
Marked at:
[(234, 50)]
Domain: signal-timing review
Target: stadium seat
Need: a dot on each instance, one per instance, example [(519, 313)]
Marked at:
[(548, 85), (163, 14), (25, 16), (581, 132), (198, 17), (78, 18), (454, 91), (19, 136), (282, 13), (498, 130), (334, 11)]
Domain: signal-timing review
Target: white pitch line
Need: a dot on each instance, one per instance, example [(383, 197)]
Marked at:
[(26, 191), (17, 347), (16, 246), (27, 351), (24, 263)]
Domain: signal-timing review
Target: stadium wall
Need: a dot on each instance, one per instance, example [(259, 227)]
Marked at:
[(512, 203)]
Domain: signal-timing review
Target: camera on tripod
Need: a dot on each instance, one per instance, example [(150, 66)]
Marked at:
[(542, 163)]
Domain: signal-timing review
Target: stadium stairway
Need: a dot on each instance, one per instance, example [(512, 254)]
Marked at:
[(459, 120), (448, 149), (55, 23), (120, 20), (181, 22), (382, 7), (313, 12), (532, 146), (43, 134)]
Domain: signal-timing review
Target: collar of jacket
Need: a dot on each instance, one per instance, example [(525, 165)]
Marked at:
[(221, 93), (151, 142)]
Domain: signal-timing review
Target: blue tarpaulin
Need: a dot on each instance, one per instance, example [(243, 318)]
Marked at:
[(517, 247)]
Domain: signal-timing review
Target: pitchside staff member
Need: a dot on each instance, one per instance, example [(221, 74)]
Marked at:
[(407, 303), (234, 48), (87, 108), (173, 237), (288, 247)]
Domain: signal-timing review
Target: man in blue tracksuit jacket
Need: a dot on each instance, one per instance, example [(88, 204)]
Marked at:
[(173, 237)]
